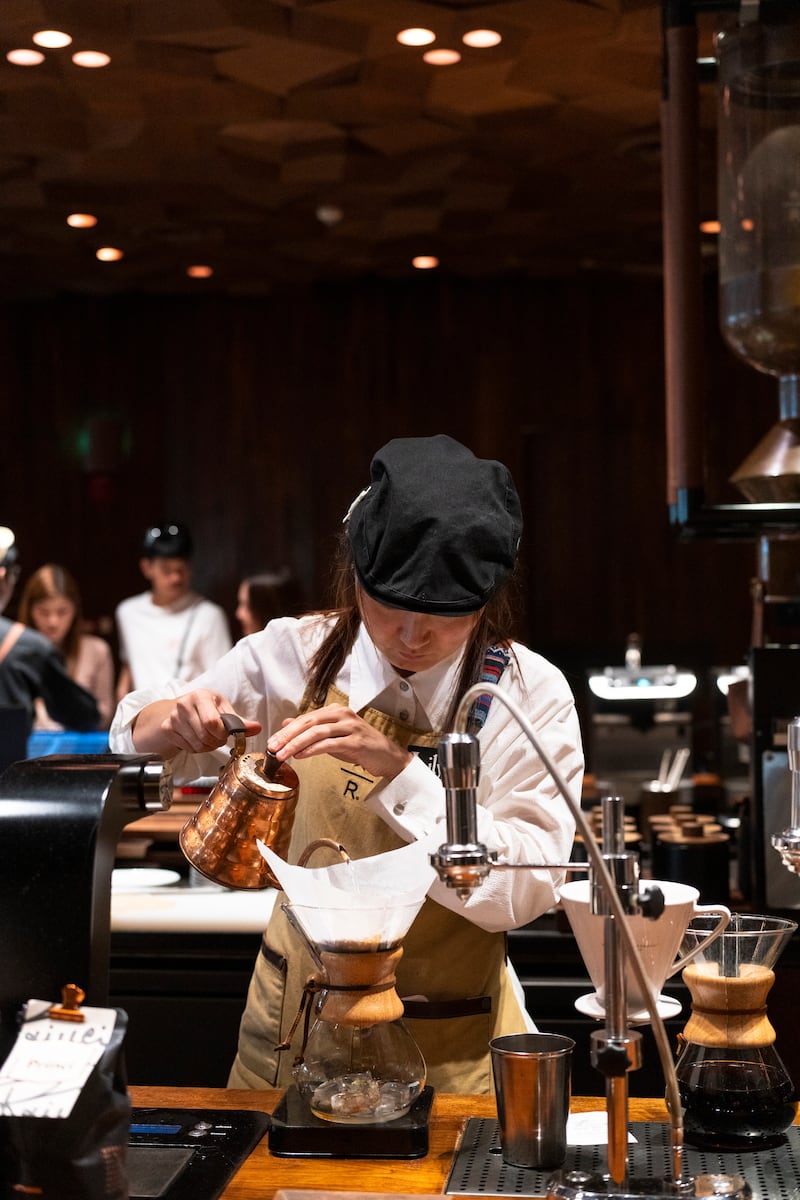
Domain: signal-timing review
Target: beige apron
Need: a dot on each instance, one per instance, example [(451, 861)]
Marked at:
[(454, 972)]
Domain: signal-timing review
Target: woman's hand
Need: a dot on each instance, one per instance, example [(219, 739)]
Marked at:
[(191, 722), (338, 731)]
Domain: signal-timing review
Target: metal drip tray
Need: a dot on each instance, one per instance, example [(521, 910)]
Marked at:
[(478, 1168)]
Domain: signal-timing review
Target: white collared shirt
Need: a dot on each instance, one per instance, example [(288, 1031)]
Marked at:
[(421, 700)]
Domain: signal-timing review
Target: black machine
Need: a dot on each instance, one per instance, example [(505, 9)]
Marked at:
[(62, 817), (775, 672), (296, 1133), (189, 1154)]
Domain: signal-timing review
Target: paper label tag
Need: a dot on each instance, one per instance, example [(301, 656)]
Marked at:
[(51, 1060), (589, 1129)]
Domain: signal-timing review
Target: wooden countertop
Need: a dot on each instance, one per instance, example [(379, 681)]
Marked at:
[(263, 1173)]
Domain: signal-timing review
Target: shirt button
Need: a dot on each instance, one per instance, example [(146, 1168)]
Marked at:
[(403, 685), (403, 714), (398, 809)]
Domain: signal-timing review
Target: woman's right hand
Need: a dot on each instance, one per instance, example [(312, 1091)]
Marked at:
[(191, 722)]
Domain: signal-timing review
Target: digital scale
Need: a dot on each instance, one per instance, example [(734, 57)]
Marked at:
[(189, 1153), (296, 1132)]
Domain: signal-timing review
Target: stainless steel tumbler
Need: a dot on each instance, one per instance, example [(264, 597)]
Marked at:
[(532, 1084)]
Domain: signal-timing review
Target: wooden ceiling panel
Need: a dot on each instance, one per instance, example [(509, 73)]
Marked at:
[(278, 65), (483, 91), (177, 19), (276, 140), (315, 169), (351, 104), (407, 137), (220, 123)]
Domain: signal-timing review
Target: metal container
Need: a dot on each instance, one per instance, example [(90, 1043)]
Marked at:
[(255, 799)]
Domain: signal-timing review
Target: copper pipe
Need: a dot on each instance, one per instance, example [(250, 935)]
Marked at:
[(683, 292)]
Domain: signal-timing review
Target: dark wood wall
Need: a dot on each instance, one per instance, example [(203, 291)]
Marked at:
[(254, 420)]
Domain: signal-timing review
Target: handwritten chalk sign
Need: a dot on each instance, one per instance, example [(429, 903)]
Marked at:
[(51, 1061)]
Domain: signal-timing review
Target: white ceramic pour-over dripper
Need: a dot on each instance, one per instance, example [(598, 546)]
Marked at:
[(657, 941)]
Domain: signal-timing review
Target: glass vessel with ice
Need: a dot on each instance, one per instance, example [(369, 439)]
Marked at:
[(359, 1063), (360, 1074)]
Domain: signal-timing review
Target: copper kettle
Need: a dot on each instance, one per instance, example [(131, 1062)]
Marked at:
[(255, 797)]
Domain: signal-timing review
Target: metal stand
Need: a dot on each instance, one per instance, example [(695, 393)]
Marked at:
[(463, 863)]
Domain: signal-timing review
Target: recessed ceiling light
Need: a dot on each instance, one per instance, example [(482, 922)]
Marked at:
[(81, 220), (416, 37), (25, 58), (91, 58), (199, 271), (109, 254), (52, 39), (329, 214), (425, 262), (441, 58), (480, 39)]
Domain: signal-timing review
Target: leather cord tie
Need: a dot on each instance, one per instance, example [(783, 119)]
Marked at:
[(312, 987)]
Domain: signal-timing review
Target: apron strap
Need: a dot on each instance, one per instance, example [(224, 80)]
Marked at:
[(496, 660), (437, 1010)]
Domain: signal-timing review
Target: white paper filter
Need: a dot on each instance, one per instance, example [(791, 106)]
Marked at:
[(361, 900)]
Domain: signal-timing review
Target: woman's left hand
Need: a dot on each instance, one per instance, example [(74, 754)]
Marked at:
[(340, 732)]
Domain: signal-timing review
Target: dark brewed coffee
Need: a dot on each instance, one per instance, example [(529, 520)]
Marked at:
[(736, 1105)]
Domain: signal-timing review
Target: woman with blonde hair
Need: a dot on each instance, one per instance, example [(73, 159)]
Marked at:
[(51, 604)]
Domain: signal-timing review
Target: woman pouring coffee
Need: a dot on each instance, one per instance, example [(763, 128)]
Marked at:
[(358, 697)]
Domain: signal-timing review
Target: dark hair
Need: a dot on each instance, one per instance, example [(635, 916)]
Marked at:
[(167, 540), (51, 582), (272, 594), (494, 627)]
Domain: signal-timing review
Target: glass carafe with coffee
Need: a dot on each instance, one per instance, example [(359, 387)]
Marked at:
[(735, 1090)]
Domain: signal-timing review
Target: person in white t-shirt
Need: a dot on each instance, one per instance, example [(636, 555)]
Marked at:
[(168, 632)]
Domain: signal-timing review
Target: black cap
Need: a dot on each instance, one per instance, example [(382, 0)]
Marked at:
[(437, 530), (167, 540), (8, 547)]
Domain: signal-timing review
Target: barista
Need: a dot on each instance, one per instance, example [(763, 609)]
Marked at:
[(358, 697)]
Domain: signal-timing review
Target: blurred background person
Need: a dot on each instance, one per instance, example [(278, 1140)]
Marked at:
[(168, 632), (31, 667), (51, 604), (265, 596)]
